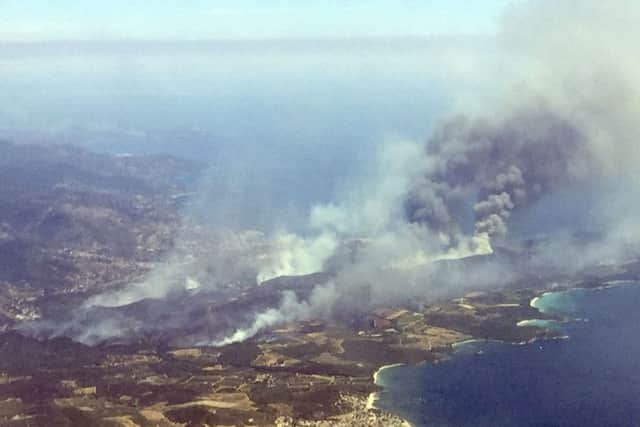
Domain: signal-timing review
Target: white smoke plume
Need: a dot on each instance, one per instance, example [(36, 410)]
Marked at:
[(389, 249), (567, 119), (563, 118), (372, 215), (292, 255), (290, 309)]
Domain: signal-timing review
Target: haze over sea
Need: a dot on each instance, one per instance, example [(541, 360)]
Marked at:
[(280, 124), (590, 379)]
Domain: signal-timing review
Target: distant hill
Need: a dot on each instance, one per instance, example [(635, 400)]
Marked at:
[(66, 213)]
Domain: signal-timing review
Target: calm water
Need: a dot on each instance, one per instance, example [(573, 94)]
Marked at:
[(590, 379)]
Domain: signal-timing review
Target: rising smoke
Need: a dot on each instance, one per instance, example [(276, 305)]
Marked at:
[(504, 166), (567, 119)]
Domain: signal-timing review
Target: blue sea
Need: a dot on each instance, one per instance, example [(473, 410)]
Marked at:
[(592, 378)]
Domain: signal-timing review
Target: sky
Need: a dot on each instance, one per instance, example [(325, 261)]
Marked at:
[(38, 20), (308, 115)]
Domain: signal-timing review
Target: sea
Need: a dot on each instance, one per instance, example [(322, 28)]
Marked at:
[(591, 378)]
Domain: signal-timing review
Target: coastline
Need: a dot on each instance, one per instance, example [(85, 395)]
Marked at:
[(375, 396), (580, 302), (534, 303), (347, 376), (382, 368), (541, 323), (458, 344), (547, 324)]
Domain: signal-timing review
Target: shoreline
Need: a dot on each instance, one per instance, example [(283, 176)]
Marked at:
[(382, 368), (608, 284), (555, 307), (375, 396), (534, 303), (458, 344)]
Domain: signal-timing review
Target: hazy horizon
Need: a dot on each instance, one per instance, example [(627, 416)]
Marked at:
[(305, 116), (431, 131)]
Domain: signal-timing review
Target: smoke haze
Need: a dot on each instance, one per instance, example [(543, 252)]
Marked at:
[(569, 121), (554, 115)]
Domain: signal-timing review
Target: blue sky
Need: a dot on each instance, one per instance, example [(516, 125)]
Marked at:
[(243, 19)]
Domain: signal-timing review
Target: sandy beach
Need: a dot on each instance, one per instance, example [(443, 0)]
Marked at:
[(382, 368), (465, 342), (534, 301), (373, 397)]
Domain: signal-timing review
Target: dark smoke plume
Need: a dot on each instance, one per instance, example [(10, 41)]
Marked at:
[(501, 166), (564, 117)]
